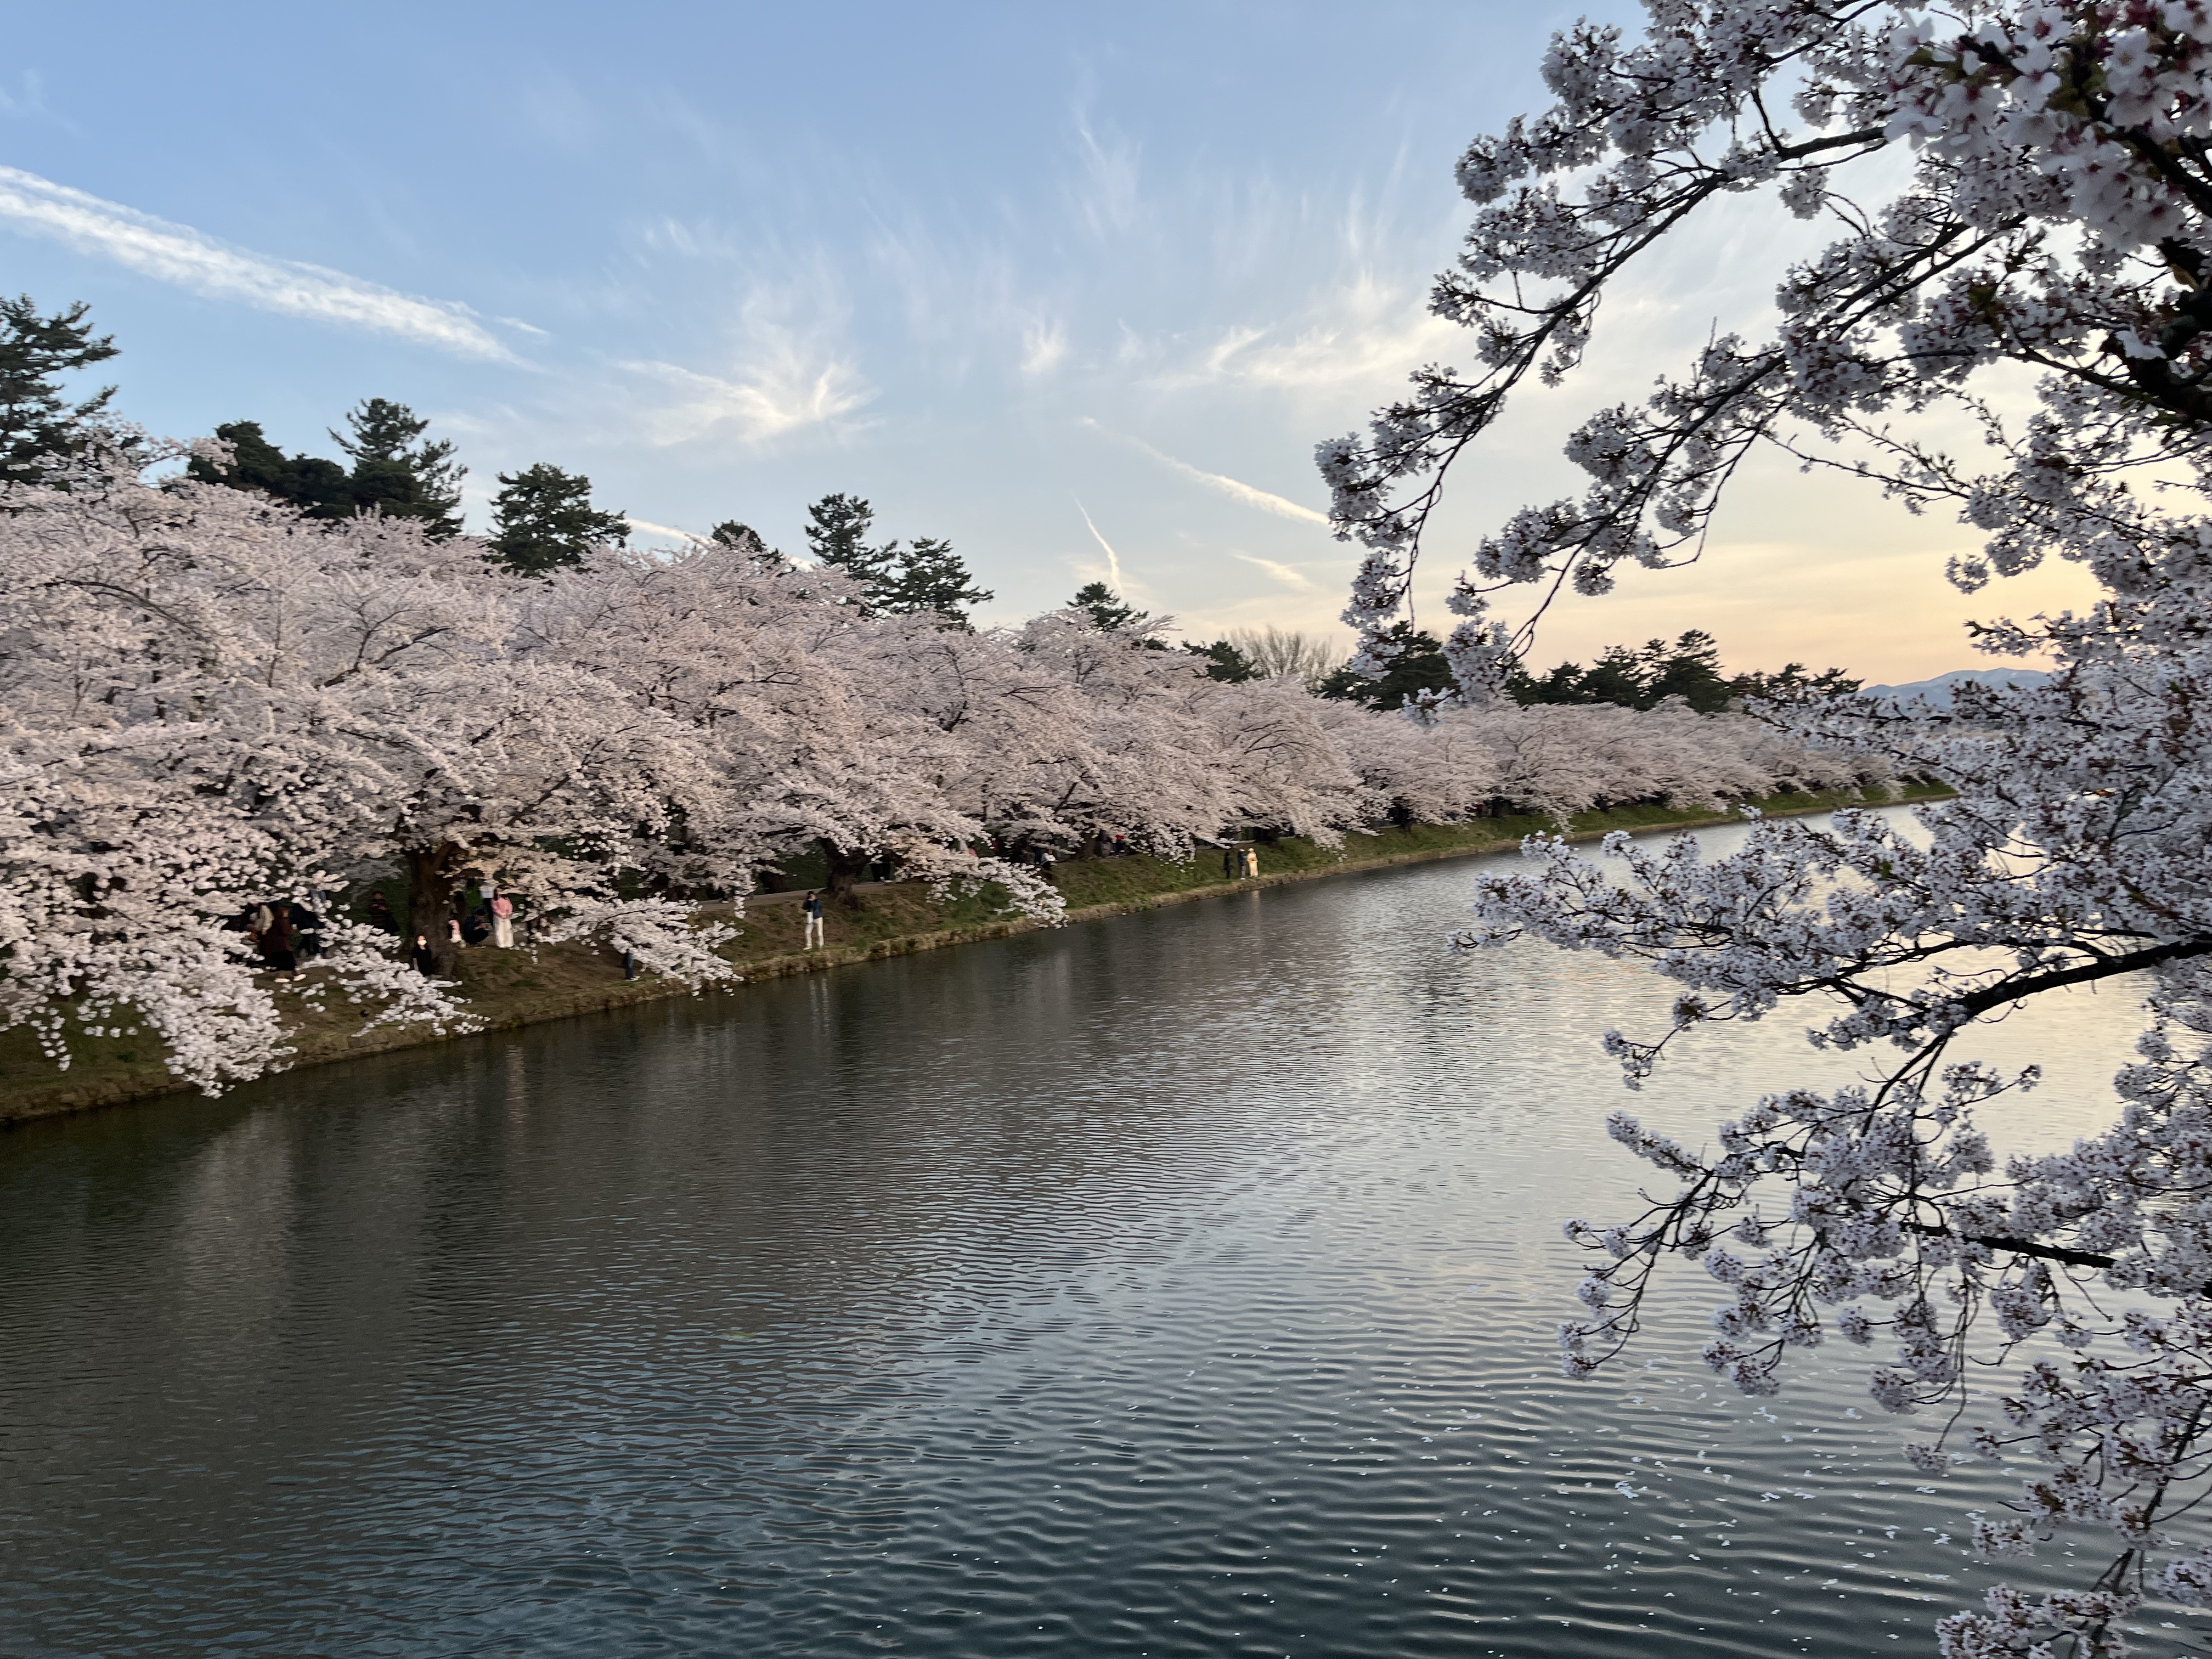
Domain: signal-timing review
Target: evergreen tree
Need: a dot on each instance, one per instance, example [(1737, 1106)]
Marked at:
[(392, 471), (1562, 684), (1223, 661), (925, 578), (1418, 667), (1617, 676), (396, 472), (1108, 614), (1690, 669), (1792, 683), (319, 487), (543, 518), (928, 577), (838, 536), (37, 423)]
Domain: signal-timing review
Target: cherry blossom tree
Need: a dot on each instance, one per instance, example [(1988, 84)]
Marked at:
[(212, 702), (805, 703), (1282, 765), (2033, 259)]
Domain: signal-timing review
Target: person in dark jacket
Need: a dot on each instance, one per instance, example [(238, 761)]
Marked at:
[(306, 930), (280, 942)]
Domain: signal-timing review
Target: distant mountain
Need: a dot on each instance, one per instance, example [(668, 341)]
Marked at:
[(1937, 693)]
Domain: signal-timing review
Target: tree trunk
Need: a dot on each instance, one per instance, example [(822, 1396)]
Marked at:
[(430, 904), (845, 869)]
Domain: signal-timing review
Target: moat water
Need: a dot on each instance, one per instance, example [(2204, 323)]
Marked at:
[(1179, 1284)]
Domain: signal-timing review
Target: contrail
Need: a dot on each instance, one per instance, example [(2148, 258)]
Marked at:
[(178, 253), (1113, 563), (1234, 488), (1286, 575)]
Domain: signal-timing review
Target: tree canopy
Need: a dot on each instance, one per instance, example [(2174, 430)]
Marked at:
[(1408, 664), (1106, 611), (743, 539), (396, 472), (1223, 661), (615, 736), (543, 520), (2020, 205), (393, 470), (321, 488), (39, 424), (922, 578), (1688, 668)]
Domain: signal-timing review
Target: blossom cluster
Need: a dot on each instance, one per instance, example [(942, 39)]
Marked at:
[(208, 704), (2042, 203)]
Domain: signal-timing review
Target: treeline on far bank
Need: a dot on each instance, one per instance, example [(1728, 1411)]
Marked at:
[(543, 518), (219, 701)]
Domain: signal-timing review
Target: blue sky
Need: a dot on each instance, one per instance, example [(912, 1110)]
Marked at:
[(1078, 287)]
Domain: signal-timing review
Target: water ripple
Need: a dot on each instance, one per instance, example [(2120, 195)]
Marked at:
[(1181, 1285)]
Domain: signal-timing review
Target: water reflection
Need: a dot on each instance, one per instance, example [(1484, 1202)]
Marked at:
[(1178, 1285)]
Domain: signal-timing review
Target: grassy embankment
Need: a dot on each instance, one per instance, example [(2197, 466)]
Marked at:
[(507, 988)]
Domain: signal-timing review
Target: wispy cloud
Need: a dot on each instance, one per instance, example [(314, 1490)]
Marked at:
[(1289, 575), (1107, 199), (775, 398), (1236, 489), (790, 375), (1043, 346), (178, 254), (28, 97), (1371, 333)]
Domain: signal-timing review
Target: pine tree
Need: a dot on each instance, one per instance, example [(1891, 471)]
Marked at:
[(743, 538), (929, 578), (1418, 667), (319, 487), (543, 518), (1225, 662), (1690, 669), (1108, 614), (397, 473), (838, 536), (37, 425), (1617, 677), (1792, 683), (925, 578)]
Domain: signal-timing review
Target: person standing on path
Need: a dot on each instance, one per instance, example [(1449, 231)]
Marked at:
[(502, 921), (812, 908), (1252, 863), (1229, 863)]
